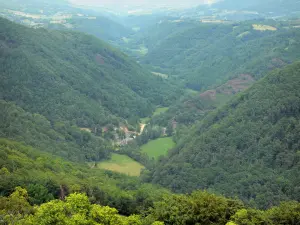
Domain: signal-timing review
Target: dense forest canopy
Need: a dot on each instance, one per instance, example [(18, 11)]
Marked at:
[(75, 77), (249, 147), (60, 138)]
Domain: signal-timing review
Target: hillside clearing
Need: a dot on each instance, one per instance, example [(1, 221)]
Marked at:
[(158, 147), (145, 120), (141, 51), (261, 27), (121, 164), (160, 110), (162, 75)]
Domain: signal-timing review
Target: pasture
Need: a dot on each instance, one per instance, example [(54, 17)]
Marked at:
[(158, 147), (122, 164)]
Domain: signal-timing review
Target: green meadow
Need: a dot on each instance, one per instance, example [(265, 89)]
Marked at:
[(122, 164), (160, 110), (158, 147)]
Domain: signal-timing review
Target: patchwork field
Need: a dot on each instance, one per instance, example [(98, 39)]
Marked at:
[(122, 164), (263, 27), (158, 147)]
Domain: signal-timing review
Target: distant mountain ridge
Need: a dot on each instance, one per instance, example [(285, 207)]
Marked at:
[(62, 15)]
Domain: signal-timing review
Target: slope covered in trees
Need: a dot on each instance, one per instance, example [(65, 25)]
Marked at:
[(47, 177), (60, 138), (248, 148), (100, 26), (194, 106), (74, 77), (204, 54)]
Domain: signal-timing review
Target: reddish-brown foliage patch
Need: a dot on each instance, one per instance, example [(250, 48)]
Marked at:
[(236, 85), (210, 94), (99, 59)]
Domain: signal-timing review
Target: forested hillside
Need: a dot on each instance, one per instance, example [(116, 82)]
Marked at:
[(74, 77), (45, 178), (194, 106), (248, 148), (204, 54), (99, 26), (59, 138)]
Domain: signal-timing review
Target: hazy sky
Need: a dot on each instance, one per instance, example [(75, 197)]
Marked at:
[(109, 3)]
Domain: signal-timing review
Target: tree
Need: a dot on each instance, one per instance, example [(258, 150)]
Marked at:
[(15, 207)]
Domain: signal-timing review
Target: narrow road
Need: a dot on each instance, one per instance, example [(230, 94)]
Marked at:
[(142, 125)]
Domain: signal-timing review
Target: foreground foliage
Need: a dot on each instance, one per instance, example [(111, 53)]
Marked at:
[(198, 208), (76, 209)]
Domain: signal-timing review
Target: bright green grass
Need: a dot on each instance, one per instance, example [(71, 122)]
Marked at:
[(122, 164), (160, 110), (145, 120), (191, 91), (158, 147)]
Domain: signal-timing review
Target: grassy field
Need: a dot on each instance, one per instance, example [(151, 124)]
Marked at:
[(122, 164), (263, 27), (158, 147), (145, 120), (160, 110), (191, 91)]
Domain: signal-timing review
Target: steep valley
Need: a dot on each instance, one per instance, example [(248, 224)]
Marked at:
[(158, 117)]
